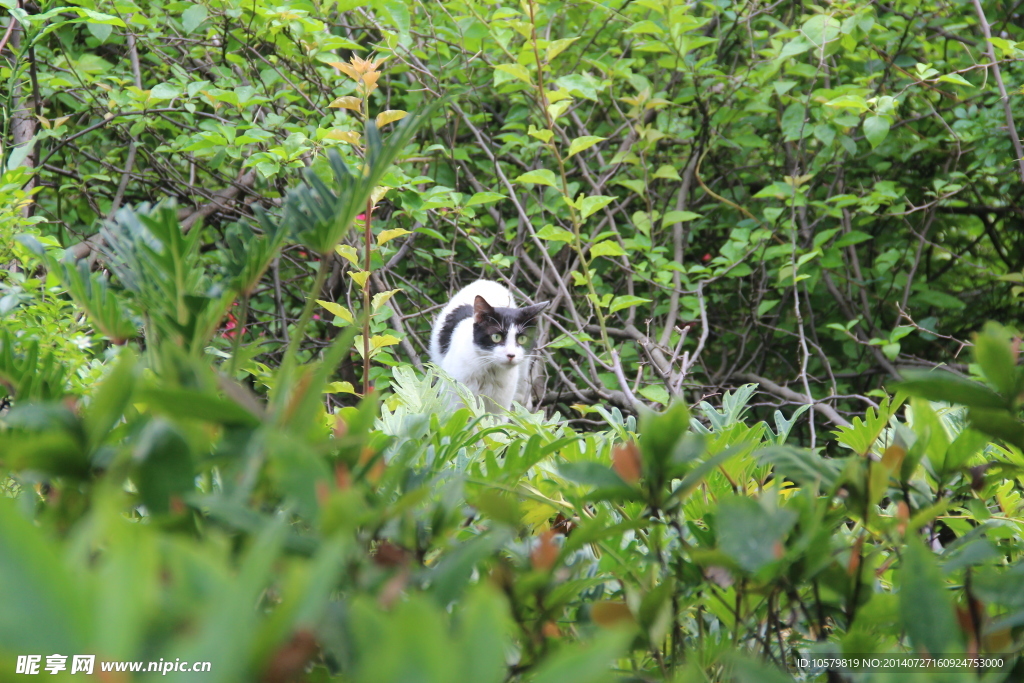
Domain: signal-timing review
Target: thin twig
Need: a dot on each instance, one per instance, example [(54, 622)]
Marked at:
[(990, 51)]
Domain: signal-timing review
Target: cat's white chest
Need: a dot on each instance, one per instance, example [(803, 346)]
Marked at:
[(483, 378)]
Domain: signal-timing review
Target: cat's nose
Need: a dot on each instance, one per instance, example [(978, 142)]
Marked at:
[(511, 356)]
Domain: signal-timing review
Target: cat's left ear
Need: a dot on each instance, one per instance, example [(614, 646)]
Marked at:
[(527, 314)]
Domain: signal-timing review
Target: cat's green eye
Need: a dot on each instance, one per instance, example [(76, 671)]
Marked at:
[(522, 339), (496, 338)]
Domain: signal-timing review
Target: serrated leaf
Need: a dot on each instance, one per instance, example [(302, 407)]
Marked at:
[(336, 309), (347, 102), (348, 252), (582, 143), (387, 235), (379, 341), (541, 177), (390, 116), (359, 276), (876, 128), (589, 205), (484, 198), (382, 298), (542, 134), (606, 248)]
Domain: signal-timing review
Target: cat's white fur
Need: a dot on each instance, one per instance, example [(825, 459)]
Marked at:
[(494, 374)]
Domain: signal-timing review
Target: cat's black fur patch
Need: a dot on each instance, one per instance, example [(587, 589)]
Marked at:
[(456, 316), (498, 321)]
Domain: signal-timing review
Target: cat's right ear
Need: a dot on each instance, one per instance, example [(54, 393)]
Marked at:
[(527, 314), (481, 309)]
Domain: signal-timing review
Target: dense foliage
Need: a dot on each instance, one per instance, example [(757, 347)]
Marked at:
[(225, 228)]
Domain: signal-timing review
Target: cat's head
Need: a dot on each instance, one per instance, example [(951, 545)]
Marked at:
[(502, 335)]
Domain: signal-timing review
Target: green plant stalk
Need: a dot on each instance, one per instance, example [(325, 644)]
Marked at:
[(307, 312), (368, 238), (368, 245)]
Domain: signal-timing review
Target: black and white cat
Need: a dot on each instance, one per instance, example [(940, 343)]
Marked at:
[(481, 338)]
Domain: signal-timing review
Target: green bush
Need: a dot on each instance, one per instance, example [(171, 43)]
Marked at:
[(175, 514)]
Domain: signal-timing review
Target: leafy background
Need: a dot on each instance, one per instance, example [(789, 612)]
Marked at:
[(769, 213)]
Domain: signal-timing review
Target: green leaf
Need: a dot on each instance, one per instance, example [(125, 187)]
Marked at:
[(542, 134), (956, 79), (381, 298), (750, 534), (876, 128), (163, 465), (336, 309), (193, 17), (851, 238), (797, 46), (515, 70), (591, 474), (582, 143), (541, 177), (679, 217), (164, 91), (484, 198), (386, 236), (998, 423), (848, 102), (645, 26), (557, 47), (111, 399), (590, 205), (926, 611), (656, 393), (821, 29), (100, 31), (941, 385), (995, 356), (606, 248), (550, 232), (45, 604), (450, 576), (95, 17), (197, 405), (931, 432), (588, 662), (667, 172), (625, 301), (967, 444)]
